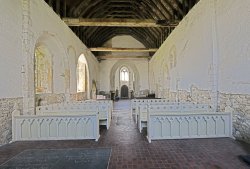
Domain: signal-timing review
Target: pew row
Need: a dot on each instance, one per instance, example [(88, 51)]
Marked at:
[(136, 103), (184, 125), (104, 109), (55, 126), (143, 110)]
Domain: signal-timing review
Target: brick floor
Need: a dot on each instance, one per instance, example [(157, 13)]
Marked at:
[(131, 150)]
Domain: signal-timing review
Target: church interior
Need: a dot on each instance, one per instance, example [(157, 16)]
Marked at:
[(124, 84)]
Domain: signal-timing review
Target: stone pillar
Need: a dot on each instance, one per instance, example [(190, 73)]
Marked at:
[(27, 70)]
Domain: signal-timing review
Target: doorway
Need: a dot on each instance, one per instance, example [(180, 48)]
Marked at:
[(124, 91)]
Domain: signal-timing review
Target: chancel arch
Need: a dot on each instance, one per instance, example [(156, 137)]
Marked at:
[(124, 73)]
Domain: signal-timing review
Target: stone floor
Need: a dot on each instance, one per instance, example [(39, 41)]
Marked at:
[(130, 149)]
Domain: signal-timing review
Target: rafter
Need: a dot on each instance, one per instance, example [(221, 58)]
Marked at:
[(122, 57), (103, 20), (118, 22), (106, 49)]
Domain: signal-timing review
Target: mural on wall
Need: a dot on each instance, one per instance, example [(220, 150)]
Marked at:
[(43, 70)]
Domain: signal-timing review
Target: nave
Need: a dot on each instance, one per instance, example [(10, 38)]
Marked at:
[(130, 149)]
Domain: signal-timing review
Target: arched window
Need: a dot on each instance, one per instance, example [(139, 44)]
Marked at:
[(81, 74), (124, 74), (43, 70)]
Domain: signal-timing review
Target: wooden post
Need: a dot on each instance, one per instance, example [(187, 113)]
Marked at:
[(64, 8), (58, 6)]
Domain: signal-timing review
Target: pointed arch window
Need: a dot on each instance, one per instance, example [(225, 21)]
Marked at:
[(43, 70), (81, 74), (124, 74)]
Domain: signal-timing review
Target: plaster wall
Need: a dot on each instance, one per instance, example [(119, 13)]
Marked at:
[(70, 45), (192, 44), (106, 68), (211, 51), (233, 22), (64, 46), (126, 41), (186, 54), (11, 49), (24, 24)]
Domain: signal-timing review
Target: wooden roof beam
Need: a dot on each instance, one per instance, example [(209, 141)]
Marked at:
[(122, 57), (115, 22), (106, 49)]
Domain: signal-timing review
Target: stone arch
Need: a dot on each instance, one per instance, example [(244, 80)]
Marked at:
[(43, 70), (129, 65), (82, 58), (59, 60)]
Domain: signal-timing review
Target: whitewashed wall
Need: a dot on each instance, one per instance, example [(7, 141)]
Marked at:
[(212, 49), (233, 21), (42, 26), (193, 41), (10, 47), (191, 44), (67, 40), (106, 66), (125, 41), (105, 71), (67, 47)]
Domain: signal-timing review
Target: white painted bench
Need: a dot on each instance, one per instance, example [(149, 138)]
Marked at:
[(103, 107), (105, 113), (135, 103), (56, 126), (189, 124), (171, 107)]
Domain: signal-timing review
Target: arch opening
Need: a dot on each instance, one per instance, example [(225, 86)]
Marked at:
[(82, 74), (43, 70)]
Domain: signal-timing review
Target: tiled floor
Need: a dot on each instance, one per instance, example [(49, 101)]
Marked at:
[(130, 149), (76, 158)]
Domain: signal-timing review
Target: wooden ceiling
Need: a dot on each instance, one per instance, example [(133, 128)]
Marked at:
[(100, 20)]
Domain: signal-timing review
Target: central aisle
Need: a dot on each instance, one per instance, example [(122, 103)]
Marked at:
[(123, 128)]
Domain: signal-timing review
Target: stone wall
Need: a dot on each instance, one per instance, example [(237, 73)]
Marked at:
[(6, 109), (49, 98), (239, 104), (78, 96), (194, 94)]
